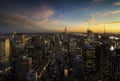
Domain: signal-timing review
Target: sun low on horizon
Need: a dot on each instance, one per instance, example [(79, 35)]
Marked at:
[(55, 15)]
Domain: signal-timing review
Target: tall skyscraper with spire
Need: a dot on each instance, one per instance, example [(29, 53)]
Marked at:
[(65, 29)]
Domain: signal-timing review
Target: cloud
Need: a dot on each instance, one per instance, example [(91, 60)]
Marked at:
[(117, 3), (105, 23), (43, 12), (91, 20), (21, 20), (110, 12), (37, 19), (114, 22), (97, 1), (9, 22)]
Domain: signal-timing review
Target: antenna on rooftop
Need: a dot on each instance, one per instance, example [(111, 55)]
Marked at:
[(104, 29)]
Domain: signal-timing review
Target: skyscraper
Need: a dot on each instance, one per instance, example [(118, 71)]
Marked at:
[(4, 49), (65, 29)]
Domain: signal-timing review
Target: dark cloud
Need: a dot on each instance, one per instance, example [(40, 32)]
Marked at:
[(34, 21), (97, 1)]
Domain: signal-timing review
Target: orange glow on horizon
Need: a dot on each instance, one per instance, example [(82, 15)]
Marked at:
[(109, 28)]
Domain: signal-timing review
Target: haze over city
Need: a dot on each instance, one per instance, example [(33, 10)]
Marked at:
[(55, 15)]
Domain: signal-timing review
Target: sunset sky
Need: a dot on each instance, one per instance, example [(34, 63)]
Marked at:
[(55, 15)]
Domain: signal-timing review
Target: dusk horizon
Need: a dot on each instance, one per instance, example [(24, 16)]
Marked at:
[(55, 15)]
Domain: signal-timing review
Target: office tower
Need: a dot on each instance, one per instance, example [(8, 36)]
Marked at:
[(5, 51), (34, 48), (73, 43), (104, 59), (90, 64), (115, 64)]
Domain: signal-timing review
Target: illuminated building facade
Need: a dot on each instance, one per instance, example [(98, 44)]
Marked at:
[(90, 64), (5, 51)]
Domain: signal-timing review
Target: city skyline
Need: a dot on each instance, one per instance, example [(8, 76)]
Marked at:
[(55, 15)]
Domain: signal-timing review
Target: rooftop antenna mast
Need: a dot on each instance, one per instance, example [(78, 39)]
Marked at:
[(104, 29)]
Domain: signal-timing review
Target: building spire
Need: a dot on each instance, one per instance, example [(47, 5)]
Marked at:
[(104, 29), (65, 29)]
